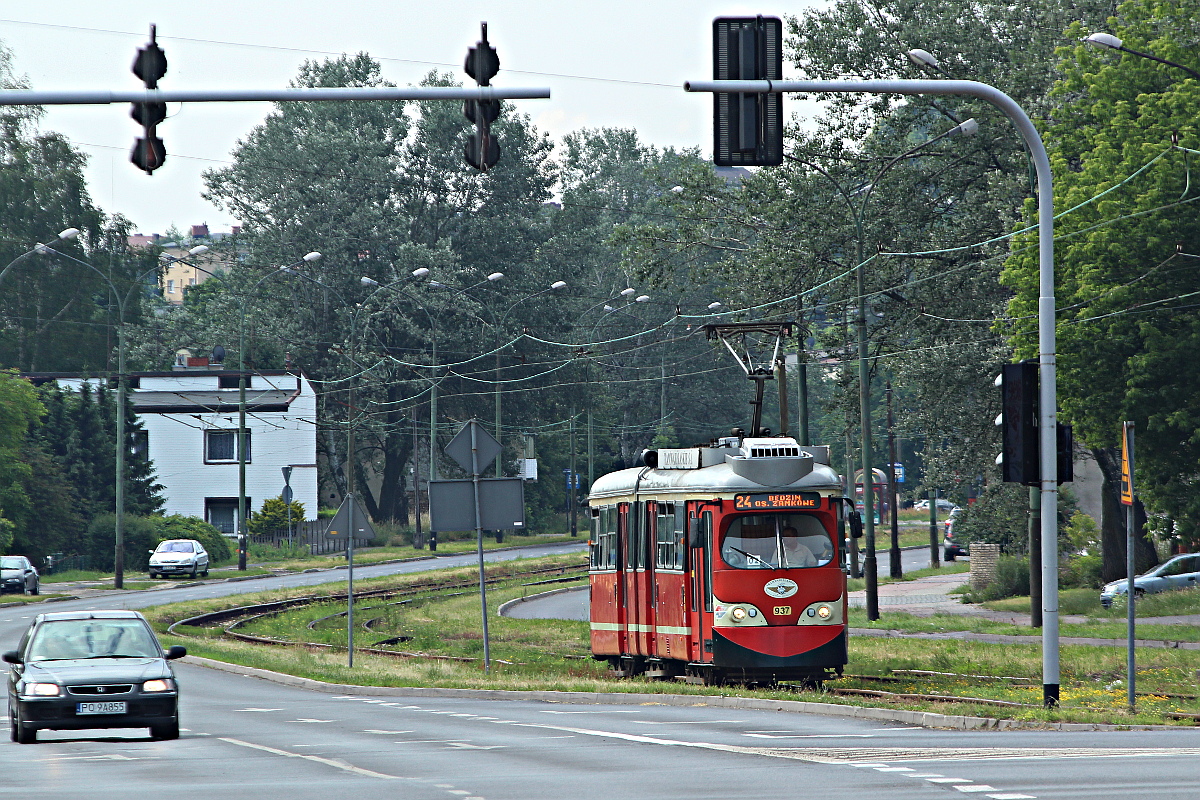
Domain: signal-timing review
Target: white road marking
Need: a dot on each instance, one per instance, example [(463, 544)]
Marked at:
[(318, 759), (463, 792), (465, 746), (1011, 796), (280, 709), (397, 733), (899, 769), (106, 757), (425, 741), (698, 722), (929, 774), (948, 780), (976, 787), (302, 719)]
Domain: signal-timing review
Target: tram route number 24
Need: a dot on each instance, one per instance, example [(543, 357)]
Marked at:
[(765, 501)]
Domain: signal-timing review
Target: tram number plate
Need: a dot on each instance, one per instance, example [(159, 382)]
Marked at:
[(783, 611), (100, 708), (766, 500)]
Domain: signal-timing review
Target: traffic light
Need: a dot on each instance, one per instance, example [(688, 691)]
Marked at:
[(747, 128), (1018, 419), (482, 151), (149, 65)]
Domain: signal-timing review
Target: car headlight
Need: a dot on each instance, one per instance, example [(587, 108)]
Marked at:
[(738, 614), (159, 685), (42, 690)]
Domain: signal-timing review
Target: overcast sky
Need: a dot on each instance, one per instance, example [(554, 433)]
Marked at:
[(615, 63)]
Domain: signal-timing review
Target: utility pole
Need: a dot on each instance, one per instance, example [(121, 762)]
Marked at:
[(895, 569)]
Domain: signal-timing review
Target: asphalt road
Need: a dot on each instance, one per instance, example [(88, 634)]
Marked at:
[(248, 737)]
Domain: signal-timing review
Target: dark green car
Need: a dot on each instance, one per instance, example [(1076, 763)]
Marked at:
[(79, 670)]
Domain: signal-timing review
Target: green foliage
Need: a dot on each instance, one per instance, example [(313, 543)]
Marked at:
[(1082, 571), (99, 542), (1127, 332), (273, 516), (1012, 580), (1083, 534), (999, 516), (177, 526)]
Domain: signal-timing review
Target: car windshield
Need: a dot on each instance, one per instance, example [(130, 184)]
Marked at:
[(175, 547), (10, 562), (92, 638), (776, 541)]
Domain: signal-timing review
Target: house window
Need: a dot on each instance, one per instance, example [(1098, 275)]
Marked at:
[(140, 447), (170, 287), (220, 447), (221, 513), (191, 281)]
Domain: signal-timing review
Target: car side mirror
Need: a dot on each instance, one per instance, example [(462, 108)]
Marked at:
[(12, 657), (151, 552), (175, 651)]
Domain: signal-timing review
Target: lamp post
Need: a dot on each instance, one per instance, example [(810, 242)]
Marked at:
[(631, 296), (121, 445), (1107, 41), (241, 433), (1048, 391), (858, 212)]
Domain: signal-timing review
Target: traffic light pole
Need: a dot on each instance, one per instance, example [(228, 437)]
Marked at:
[(1047, 407), (35, 97)]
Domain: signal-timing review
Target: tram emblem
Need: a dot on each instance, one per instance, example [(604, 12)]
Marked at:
[(780, 587)]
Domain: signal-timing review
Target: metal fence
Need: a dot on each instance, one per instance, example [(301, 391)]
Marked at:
[(309, 534)]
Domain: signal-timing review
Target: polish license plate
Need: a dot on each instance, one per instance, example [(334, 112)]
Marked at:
[(112, 707)]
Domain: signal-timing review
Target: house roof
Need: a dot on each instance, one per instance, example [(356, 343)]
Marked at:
[(215, 401)]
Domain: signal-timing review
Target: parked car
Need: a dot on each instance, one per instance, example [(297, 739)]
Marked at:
[(942, 505), (18, 575), (178, 557), (1181, 572), (952, 548), (79, 670)]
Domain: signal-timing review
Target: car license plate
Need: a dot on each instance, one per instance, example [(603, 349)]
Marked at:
[(111, 707)]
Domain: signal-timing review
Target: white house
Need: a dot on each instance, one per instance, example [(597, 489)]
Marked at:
[(190, 417)]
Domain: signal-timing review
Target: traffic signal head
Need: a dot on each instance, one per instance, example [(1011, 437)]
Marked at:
[(481, 112), (151, 62), (747, 128), (148, 154), (1018, 420), (482, 62), (481, 151), (148, 114)]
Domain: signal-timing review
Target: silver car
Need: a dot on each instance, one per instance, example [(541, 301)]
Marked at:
[(178, 557), (18, 575), (1181, 572)]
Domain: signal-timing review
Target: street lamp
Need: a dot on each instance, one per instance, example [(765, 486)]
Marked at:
[(41, 249), (241, 434), (1106, 41), (863, 195), (121, 446)]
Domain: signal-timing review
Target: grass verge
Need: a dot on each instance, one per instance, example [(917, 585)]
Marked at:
[(554, 655)]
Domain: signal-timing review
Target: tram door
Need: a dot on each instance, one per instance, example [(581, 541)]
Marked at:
[(621, 583), (700, 602), (636, 576)]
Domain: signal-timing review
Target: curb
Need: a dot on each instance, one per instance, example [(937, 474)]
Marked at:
[(923, 718)]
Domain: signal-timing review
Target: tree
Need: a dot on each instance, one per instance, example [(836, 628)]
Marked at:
[(1126, 324), (274, 516), (19, 411)]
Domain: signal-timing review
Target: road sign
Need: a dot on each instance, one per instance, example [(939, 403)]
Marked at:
[(1127, 463), (487, 448), (287, 494), (898, 469), (339, 526), (501, 504)]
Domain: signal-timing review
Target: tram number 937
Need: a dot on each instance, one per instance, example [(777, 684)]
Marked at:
[(782, 611)]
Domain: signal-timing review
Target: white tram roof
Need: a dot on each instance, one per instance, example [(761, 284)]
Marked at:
[(732, 466)]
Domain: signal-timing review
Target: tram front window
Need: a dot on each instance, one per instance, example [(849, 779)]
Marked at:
[(776, 541)]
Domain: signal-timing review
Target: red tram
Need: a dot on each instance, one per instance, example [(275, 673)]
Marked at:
[(721, 563)]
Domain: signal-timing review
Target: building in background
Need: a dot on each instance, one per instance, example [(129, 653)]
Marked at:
[(190, 415), (181, 271)]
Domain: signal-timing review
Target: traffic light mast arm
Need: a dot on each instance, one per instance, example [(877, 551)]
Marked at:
[(33, 97)]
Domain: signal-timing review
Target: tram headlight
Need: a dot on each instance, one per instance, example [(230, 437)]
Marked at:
[(824, 612), (738, 614)]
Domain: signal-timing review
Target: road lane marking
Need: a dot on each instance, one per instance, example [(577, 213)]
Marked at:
[(280, 709), (812, 735), (106, 757), (950, 780), (465, 746), (329, 762), (899, 769), (976, 787), (303, 719), (397, 733)]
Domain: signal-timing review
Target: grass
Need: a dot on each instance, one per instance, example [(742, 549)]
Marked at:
[(554, 655)]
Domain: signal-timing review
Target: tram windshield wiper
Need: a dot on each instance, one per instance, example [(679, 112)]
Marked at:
[(750, 555)]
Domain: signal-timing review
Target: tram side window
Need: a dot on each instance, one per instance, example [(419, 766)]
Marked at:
[(604, 536), (680, 535), (665, 554), (776, 541)]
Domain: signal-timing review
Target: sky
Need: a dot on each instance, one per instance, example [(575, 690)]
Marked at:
[(611, 64)]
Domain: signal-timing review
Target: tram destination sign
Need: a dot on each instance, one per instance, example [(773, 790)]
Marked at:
[(769, 500)]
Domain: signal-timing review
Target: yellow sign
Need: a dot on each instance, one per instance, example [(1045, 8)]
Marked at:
[(783, 611), (1127, 463)]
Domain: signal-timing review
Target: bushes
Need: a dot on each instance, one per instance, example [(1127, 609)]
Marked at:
[(273, 516), (143, 534), (177, 526), (1012, 580)]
